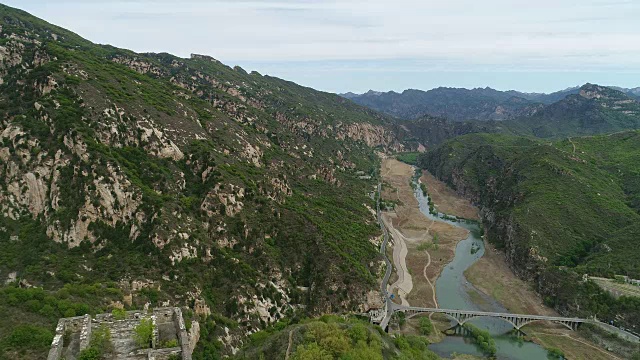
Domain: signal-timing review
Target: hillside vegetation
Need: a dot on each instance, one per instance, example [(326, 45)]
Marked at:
[(455, 104), (593, 110), (558, 209), (130, 178), (331, 337), (431, 132)]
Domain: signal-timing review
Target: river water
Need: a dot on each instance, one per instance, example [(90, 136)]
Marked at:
[(453, 291)]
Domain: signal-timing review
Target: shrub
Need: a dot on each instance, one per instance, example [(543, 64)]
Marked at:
[(30, 337), (170, 343), (555, 353), (101, 340), (425, 326), (90, 353), (482, 338), (119, 314), (143, 333)]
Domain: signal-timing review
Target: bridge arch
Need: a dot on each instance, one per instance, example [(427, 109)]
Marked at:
[(516, 320), (462, 322), (521, 322), (413, 313), (571, 325)]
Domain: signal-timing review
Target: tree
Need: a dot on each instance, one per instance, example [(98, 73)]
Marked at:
[(336, 344), (311, 352), (101, 340), (425, 326), (362, 352), (143, 333), (30, 337), (402, 318), (358, 332)]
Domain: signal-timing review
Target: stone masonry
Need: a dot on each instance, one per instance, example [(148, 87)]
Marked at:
[(170, 335)]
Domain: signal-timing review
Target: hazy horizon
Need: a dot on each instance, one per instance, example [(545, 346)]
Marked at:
[(482, 87), (356, 45)]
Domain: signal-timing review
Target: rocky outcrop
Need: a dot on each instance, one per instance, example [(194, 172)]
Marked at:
[(139, 65), (224, 200), (372, 135), (204, 57)]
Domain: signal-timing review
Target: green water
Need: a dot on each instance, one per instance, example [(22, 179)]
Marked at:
[(453, 291)]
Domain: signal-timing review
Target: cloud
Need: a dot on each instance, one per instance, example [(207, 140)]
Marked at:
[(453, 35)]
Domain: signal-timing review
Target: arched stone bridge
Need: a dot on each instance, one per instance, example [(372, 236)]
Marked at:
[(517, 320)]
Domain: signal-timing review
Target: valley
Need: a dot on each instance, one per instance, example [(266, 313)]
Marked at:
[(487, 284), (421, 246), (167, 207)]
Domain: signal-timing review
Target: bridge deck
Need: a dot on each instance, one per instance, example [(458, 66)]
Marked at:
[(490, 314)]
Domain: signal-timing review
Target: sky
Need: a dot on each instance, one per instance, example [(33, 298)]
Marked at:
[(357, 45)]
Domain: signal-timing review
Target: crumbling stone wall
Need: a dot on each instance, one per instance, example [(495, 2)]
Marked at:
[(168, 325), (71, 325), (183, 337)]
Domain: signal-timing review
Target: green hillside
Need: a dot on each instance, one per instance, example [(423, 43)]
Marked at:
[(130, 178), (331, 337), (593, 110), (557, 212)]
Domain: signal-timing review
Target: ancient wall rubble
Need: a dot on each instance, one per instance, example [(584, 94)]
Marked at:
[(170, 335)]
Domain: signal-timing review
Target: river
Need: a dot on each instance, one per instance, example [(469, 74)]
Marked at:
[(453, 291)]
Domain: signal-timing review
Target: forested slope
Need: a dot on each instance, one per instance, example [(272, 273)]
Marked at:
[(130, 178), (558, 211)]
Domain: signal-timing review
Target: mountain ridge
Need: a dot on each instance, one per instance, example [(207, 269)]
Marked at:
[(588, 110), (461, 104), (131, 178)]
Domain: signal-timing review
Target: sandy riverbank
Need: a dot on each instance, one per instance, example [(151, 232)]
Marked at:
[(446, 200), (421, 247)]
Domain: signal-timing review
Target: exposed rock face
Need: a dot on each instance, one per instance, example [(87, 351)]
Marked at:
[(139, 65), (159, 145), (204, 57), (201, 308), (370, 134), (13, 276), (194, 335)]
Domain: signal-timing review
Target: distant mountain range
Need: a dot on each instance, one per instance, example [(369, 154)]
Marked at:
[(459, 104), (587, 110), (591, 110)]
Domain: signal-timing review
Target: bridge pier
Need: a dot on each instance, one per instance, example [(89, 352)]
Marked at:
[(518, 322)]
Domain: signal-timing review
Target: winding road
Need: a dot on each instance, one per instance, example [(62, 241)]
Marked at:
[(424, 272)]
